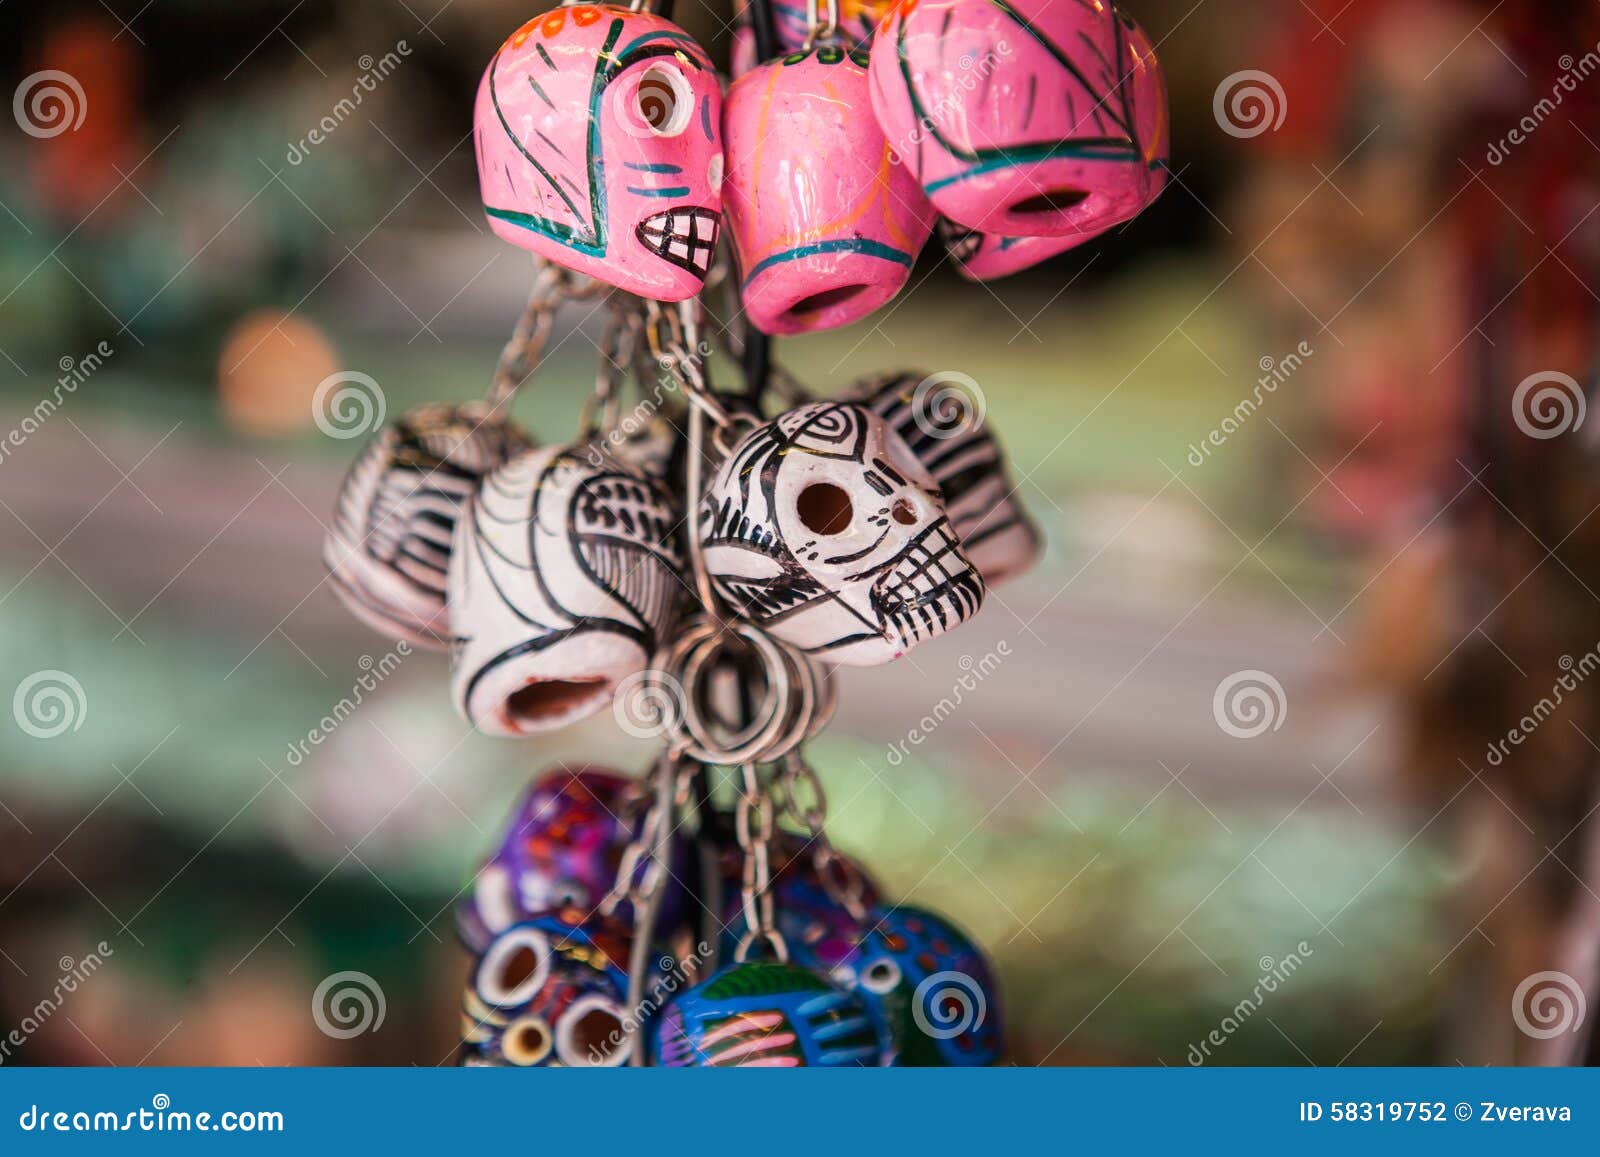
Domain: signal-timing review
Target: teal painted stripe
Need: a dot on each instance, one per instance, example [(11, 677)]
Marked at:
[(844, 245), (639, 168), (550, 229), (1062, 151), (671, 191)]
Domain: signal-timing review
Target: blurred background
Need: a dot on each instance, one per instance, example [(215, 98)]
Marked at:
[(1283, 755)]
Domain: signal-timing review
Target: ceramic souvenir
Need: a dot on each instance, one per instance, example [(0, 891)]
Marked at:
[(929, 987), (563, 577), (1016, 116), (548, 993), (824, 529), (763, 1014), (561, 850), (389, 547), (599, 147), (951, 438), (990, 256), (825, 225)]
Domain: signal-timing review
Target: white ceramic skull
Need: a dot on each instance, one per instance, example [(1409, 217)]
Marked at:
[(563, 577), (824, 529), (946, 429), (389, 548)]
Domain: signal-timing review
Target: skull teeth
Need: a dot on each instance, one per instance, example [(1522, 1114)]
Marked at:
[(685, 237), (931, 588)]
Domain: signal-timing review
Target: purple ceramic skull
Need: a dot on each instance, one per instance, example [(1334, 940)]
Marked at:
[(598, 147), (825, 224), (559, 852), (1019, 117)]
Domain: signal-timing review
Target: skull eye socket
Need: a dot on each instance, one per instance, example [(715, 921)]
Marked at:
[(825, 509), (592, 1034), (515, 968), (664, 100)]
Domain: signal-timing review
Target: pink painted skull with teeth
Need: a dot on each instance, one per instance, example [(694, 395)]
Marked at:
[(1021, 117), (599, 147)]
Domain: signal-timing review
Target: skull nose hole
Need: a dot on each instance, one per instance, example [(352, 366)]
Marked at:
[(903, 514), (820, 301), (550, 698), (825, 509), (528, 1043), (1052, 201)]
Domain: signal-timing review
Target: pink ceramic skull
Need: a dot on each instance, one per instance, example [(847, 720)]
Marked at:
[(989, 256), (598, 140), (825, 224), (1018, 117)]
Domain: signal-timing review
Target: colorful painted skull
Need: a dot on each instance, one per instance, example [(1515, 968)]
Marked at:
[(945, 428), (1019, 117), (561, 850), (763, 1014), (389, 548), (548, 993), (599, 148), (990, 256), (826, 226), (563, 578), (929, 986), (824, 529)]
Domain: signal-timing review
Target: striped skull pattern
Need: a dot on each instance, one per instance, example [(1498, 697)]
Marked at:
[(959, 450), (823, 528), (388, 550)]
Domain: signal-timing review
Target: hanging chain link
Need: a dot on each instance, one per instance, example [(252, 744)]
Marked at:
[(754, 826), (801, 799), (552, 286)]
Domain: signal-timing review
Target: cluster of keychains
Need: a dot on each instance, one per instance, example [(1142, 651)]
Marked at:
[(637, 919), (1018, 128)]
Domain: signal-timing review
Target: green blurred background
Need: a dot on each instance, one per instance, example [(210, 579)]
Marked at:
[(1134, 869)]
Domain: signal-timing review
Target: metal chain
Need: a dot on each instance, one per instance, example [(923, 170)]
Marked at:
[(754, 826), (840, 878), (552, 286)]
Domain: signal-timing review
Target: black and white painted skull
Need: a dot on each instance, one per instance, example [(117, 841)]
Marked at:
[(824, 529)]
